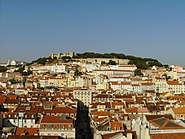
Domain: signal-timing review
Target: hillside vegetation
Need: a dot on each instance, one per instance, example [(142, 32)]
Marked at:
[(141, 63)]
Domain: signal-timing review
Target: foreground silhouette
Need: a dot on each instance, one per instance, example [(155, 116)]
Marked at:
[(82, 125)]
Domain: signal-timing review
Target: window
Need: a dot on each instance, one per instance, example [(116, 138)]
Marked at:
[(42, 127), (69, 126), (63, 127), (56, 126), (49, 126)]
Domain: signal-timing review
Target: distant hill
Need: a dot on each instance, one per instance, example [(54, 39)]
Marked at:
[(141, 63)]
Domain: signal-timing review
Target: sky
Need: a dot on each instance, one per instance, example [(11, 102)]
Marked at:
[(30, 29)]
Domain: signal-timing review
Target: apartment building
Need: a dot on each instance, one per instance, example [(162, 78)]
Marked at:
[(84, 95), (57, 126)]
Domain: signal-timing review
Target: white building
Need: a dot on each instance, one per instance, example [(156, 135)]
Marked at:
[(22, 119), (83, 81), (176, 87), (121, 86), (84, 95), (91, 67), (14, 62), (44, 82), (56, 68), (57, 126), (136, 88), (123, 67), (124, 73), (161, 85)]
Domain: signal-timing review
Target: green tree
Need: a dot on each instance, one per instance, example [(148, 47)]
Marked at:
[(40, 60), (78, 73), (2, 69), (21, 69), (138, 72), (26, 73), (66, 58), (111, 62), (13, 81), (24, 81), (166, 76), (103, 62)]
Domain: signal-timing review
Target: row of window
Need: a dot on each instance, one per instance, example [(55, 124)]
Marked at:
[(50, 126), (179, 115), (83, 93), (25, 121)]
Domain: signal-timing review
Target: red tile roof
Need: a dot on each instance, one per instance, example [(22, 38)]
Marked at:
[(101, 113), (179, 110), (116, 125), (146, 84), (61, 110), (114, 104), (12, 96), (168, 136), (2, 99), (152, 117), (55, 119), (165, 124), (99, 120), (173, 82), (26, 131)]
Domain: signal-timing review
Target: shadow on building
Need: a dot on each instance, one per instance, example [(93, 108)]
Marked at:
[(82, 125)]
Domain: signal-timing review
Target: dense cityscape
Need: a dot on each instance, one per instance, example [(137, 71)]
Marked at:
[(91, 95), (99, 69)]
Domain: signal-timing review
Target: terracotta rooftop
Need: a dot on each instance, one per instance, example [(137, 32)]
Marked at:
[(116, 134), (115, 125), (99, 120), (168, 136), (103, 96), (152, 117), (26, 131), (61, 110), (12, 101), (164, 123), (146, 84), (94, 105), (55, 119), (114, 104), (173, 82), (179, 110), (2, 99), (101, 113), (137, 110), (33, 137), (12, 96)]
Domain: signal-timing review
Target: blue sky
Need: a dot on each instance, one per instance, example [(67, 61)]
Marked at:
[(35, 28)]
